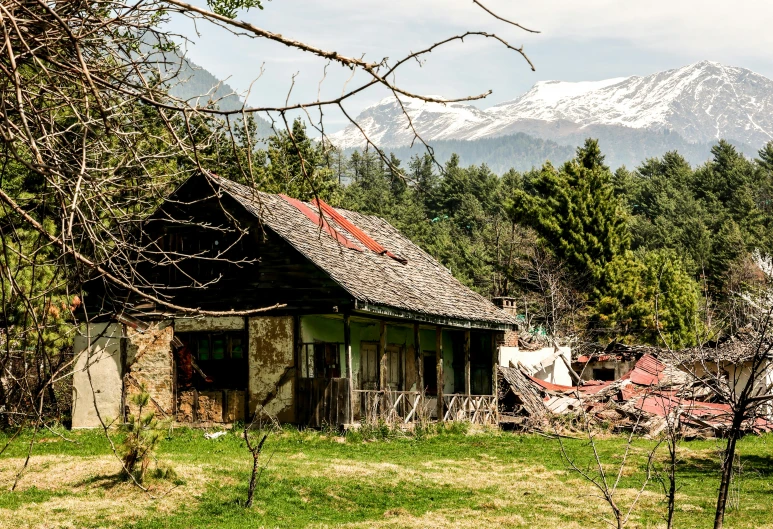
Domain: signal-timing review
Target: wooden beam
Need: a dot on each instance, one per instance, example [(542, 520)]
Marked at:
[(439, 360), (467, 368), (299, 413), (382, 362), (348, 360), (419, 355)]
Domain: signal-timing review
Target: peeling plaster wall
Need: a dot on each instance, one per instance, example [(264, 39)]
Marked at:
[(212, 324), (149, 362), (105, 365), (271, 360)]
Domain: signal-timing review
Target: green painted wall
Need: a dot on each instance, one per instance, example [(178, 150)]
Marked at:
[(332, 330)]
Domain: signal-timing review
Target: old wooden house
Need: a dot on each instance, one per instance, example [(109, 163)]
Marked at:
[(364, 323)]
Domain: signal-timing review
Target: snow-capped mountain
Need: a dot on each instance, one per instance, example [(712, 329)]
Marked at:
[(700, 103)]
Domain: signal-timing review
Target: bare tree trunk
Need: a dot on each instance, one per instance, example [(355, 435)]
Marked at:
[(255, 450), (727, 475), (671, 495)]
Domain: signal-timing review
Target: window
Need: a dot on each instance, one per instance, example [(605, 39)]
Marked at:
[(321, 360), (603, 374), (430, 373), (219, 358), (395, 366), (215, 346), (370, 366)]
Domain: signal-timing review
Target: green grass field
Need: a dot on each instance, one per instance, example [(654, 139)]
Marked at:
[(449, 479)]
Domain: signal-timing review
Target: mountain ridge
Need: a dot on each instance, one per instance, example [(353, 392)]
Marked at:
[(694, 106)]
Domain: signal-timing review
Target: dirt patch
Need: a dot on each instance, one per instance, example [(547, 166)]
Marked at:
[(90, 491)]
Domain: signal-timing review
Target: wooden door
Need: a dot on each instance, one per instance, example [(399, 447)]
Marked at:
[(395, 367), (369, 365)]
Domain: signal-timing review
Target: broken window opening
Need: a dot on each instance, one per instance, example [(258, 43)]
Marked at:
[(321, 360), (217, 360), (603, 374), (430, 373), (370, 366)]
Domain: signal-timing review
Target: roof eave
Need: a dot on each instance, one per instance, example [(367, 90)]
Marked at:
[(434, 319)]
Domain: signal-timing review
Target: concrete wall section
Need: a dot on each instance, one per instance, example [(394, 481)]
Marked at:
[(556, 373), (150, 364), (104, 363), (272, 366)]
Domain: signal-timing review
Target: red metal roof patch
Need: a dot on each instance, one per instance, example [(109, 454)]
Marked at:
[(361, 236), (321, 222)]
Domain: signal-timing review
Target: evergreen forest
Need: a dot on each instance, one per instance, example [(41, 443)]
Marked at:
[(655, 254)]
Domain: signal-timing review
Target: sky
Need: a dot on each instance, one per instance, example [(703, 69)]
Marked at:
[(578, 41)]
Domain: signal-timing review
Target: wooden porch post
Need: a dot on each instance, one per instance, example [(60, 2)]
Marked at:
[(495, 374), (419, 354), (348, 355), (382, 371), (439, 360), (467, 385)]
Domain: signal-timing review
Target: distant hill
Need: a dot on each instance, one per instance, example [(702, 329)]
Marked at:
[(523, 152), (519, 151), (198, 86)]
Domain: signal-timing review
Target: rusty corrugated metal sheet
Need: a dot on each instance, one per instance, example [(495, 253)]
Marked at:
[(647, 371), (584, 359), (550, 386), (589, 388)]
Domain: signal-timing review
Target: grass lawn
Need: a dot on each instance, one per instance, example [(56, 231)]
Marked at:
[(477, 479)]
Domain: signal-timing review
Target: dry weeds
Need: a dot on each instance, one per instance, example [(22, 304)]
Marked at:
[(94, 492)]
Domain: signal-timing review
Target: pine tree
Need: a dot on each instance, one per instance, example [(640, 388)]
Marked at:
[(576, 212)]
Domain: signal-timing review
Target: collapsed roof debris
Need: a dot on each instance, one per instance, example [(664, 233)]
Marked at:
[(644, 398)]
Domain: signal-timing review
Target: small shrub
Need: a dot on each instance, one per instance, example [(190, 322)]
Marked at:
[(453, 427), (354, 436), (167, 473), (422, 430), (143, 435), (328, 430)]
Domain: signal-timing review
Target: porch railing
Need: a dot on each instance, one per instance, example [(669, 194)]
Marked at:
[(391, 406), (405, 407), (477, 409)]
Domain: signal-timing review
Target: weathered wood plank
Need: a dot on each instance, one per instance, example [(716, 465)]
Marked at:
[(467, 367), (349, 377), (419, 355)]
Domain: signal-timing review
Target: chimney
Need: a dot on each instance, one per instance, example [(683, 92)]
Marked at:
[(506, 304)]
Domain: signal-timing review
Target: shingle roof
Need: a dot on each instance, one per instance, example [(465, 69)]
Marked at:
[(421, 286)]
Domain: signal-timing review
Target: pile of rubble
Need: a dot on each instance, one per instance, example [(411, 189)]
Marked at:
[(644, 398)]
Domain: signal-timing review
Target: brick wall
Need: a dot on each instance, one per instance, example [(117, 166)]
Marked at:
[(150, 363)]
